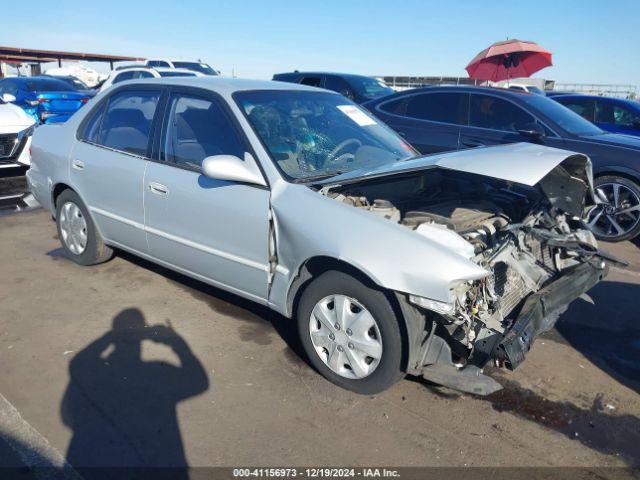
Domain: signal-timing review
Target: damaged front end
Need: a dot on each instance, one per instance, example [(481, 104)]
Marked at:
[(530, 239)]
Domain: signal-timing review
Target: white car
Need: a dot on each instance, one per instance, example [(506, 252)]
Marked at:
[(520, 87), (16, 129), (201, 67), (136, 73)]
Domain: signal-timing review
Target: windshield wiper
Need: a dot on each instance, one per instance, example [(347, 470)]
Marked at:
[(320, 176)]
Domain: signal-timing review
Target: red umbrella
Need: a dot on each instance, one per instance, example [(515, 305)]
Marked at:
[(509, 59)]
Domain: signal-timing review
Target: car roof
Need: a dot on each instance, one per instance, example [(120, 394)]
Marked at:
[(593, 97), (228, 85), (505, 92), (338, 74)]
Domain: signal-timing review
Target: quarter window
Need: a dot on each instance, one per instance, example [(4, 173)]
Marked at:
[(92, 127), (198, 128), (127, 121), (487, 111)]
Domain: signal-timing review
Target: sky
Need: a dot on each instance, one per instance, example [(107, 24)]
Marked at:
[(591, 41)]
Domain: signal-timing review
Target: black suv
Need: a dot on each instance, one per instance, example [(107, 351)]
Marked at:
[(442, 118), (355, 87)]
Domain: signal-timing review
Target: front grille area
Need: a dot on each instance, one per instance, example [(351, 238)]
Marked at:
[(7, 145), (509, 287)]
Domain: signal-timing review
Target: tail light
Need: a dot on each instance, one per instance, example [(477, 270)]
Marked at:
[(84, 100), (44, 100)]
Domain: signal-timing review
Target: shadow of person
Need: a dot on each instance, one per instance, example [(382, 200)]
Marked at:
[(121, 409)]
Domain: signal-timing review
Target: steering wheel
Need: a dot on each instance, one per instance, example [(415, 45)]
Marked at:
[(333, 156)]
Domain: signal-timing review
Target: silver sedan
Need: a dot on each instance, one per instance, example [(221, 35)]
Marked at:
[(294, 197)]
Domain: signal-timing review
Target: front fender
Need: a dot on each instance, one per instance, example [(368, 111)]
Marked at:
[(308, 224)]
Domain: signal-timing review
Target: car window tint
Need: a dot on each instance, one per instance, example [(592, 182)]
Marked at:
[(127, 121), (615, 114), (584, 108), (336, 84), (121, 77), (487, 111), (198, 128), (158, 63), (443, 107), (143, 74), (92, 126), (311, 81)]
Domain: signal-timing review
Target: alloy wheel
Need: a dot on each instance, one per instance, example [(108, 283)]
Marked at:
[(345, 336), (618, 213)]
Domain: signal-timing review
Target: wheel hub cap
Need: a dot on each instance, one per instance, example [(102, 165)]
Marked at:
[(73, 228), (345, 336)]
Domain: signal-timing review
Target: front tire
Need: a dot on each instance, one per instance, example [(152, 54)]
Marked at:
[(618, 217), (350, 333), (77, 232)]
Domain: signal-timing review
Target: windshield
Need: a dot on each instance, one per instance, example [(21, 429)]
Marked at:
[(198, 67), (370, 87), (169, 73), (314, 135), (565, 118), (47, 85)]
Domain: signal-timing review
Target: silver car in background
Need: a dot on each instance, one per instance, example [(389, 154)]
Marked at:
[(296, 198)]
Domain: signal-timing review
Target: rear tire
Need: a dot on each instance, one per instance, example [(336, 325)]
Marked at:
[(618, 218), (77, 232), (367, 342)]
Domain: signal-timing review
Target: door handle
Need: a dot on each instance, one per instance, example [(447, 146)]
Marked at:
[(158, 189), (78, 164)]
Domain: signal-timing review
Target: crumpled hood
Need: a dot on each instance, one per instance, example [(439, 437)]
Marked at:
[(14, 117), (524, 163)]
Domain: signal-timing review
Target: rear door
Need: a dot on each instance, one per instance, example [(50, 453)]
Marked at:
[(109, 161), (430, 121), (212, 229)]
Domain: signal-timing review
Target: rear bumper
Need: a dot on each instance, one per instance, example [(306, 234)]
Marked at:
[(541, 310)]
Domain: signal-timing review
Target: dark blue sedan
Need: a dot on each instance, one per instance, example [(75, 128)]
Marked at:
[(442, 118), (46, 99), (610, 114)]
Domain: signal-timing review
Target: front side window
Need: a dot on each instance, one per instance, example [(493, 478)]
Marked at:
[(442, 107), (313, 135), (616, 114), (563, 117), (127, 121), (198, 128), (337, 84), (487, 111)]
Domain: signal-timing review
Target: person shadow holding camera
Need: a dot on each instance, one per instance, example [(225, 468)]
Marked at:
[(121, 409)]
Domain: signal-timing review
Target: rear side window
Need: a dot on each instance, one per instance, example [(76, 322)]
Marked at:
[(487, 111), (615, 114), (336, 84), (126, 121), (198, 128), (445, 107), (158, 63), (311, 81), (584, 108)]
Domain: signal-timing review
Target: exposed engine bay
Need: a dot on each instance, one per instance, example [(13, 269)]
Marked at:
[(525, 237)]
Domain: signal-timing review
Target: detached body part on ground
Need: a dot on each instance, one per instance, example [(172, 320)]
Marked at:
[(389, 262)]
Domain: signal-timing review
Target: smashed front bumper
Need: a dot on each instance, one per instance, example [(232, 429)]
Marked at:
[(541, 310)]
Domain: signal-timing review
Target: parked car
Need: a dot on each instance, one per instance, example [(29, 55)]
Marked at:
[(16, 129), (614, 115), (358, 88), (77, 84), (438, 119), (300, 200), (46, 99), (521, 87), (199, 67), (136, 73)]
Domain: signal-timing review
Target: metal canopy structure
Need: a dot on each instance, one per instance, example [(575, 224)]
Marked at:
[(33, 56)]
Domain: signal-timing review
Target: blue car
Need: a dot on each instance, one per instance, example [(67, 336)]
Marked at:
[(614, 115), (46, 99), (442, 118)]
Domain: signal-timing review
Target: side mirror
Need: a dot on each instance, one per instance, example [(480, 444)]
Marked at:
[(233, 169), (532, 130), (8, 98)]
